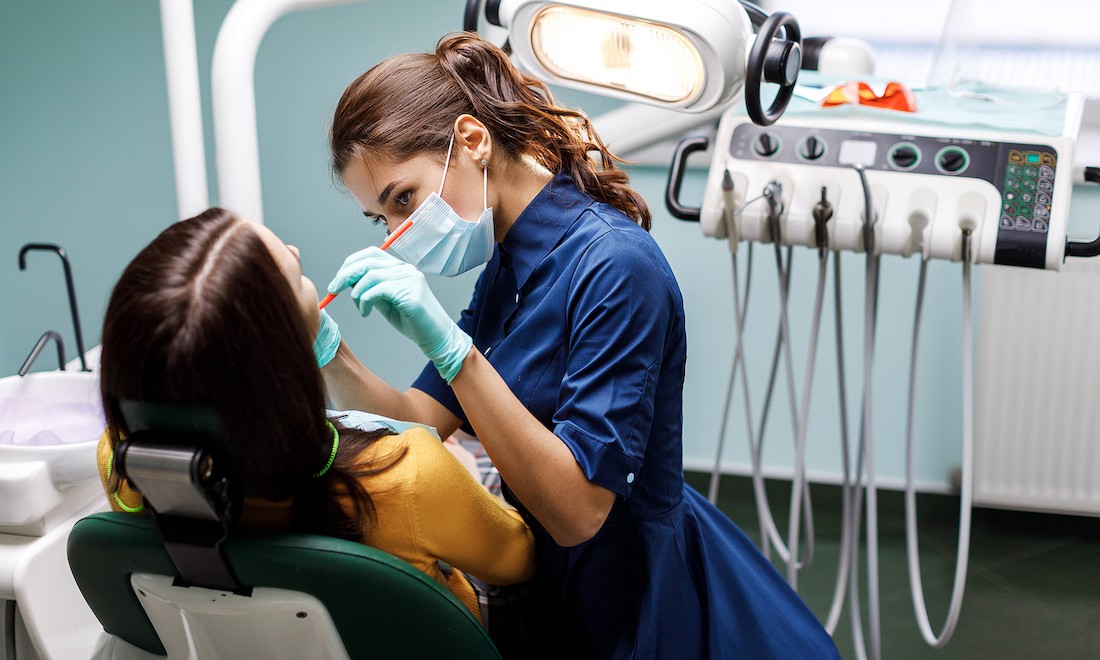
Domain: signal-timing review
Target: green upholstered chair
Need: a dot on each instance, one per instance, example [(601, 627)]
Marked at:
[(306, 596)]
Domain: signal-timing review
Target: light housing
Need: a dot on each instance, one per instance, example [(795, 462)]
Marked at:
[(688, 55)]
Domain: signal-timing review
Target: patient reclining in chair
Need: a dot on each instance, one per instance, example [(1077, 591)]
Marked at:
[(214, 312)]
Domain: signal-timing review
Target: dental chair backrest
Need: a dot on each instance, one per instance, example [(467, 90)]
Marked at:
[(184, 582)]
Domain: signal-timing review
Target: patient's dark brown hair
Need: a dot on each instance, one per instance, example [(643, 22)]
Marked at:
[(204, 315)]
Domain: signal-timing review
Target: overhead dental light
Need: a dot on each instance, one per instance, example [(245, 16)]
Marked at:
[(632, 56), (692, 55)]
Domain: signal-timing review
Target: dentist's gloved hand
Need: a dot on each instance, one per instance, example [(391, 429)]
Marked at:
[(399, 291), (327, 341)]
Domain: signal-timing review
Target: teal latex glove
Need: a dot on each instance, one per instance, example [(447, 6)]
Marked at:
[(399, 291), (327, 341)]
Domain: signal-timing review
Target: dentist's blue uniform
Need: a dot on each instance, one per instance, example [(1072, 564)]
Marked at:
[(581, 315)]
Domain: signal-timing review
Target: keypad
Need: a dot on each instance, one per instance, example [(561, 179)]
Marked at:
[(1025, 196)]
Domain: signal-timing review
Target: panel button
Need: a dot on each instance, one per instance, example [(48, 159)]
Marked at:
[(1043, 198), (1022, 223), (1015, 156), (1009, 209), (1031, 171), (1047, 158), (1039, 226), (1045, 185), (1013, 170), (1007, 222), (1046, 172), (1012, 183), (1025, 197), (1041, 212), (1027, 184)]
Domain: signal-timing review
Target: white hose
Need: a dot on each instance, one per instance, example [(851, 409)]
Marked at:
[(769, 530), (740, 312), (841, 587), (729, 216), (912, 552), (865, 453), (800, 492), (799, 484)]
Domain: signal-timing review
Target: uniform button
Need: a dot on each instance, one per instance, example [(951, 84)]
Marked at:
[(517, 297), (630, 478), (486, 353)]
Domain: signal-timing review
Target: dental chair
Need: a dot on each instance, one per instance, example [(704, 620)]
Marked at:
[(186, 583)]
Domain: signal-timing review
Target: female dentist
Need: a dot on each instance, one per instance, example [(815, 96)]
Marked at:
[(568, 364)]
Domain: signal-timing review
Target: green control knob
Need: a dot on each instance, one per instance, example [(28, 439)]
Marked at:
[(904, 156), (952, 160)]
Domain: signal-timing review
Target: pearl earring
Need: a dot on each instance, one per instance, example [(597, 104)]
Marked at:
[(484, 163)]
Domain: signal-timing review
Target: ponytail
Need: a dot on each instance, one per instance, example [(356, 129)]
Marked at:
[(408, 104)]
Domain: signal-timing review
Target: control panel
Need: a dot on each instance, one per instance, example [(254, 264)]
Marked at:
[(1011, 188)]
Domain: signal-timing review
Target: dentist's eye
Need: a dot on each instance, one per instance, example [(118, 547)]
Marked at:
[(378, 220), (403, 199)]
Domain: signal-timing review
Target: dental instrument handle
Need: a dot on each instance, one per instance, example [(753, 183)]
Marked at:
[(385, 244), (823, 210), (773, 193), (730, 202)]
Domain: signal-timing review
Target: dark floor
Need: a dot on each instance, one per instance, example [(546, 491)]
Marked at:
[(1032, 591)]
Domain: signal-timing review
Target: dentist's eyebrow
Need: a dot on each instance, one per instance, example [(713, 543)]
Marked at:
[(386, 192)]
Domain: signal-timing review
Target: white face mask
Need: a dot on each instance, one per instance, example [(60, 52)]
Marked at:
[(439, 241)]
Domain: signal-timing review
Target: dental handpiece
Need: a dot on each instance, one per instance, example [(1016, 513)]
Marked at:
[(822, 212)]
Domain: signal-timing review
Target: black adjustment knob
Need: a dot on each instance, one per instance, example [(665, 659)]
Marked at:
[(811, 148), (952, 160), (766, 145), (904, 156)]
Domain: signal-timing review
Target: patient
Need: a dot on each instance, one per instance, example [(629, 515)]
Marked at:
[(210, 313)]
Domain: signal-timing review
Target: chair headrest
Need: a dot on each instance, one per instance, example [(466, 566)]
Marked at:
[(176, 456)]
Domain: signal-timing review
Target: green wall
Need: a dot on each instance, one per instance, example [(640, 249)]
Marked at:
[(85, 161)]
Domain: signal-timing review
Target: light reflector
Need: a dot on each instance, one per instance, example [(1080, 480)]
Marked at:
[(618, 52)]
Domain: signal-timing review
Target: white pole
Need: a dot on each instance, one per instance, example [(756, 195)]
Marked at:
[(234, 99), (177, 19)]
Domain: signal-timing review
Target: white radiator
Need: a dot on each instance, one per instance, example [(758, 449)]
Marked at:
[(1037, 442)]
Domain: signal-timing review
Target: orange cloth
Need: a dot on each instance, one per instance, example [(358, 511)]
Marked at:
[(428, 509), (895, 97)]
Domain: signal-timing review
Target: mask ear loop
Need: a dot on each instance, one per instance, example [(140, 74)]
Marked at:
[(446, 164)]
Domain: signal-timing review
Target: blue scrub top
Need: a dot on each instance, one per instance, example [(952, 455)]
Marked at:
[(579, 312)]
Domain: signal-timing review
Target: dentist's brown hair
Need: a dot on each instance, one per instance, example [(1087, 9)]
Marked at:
[(407, 104)]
